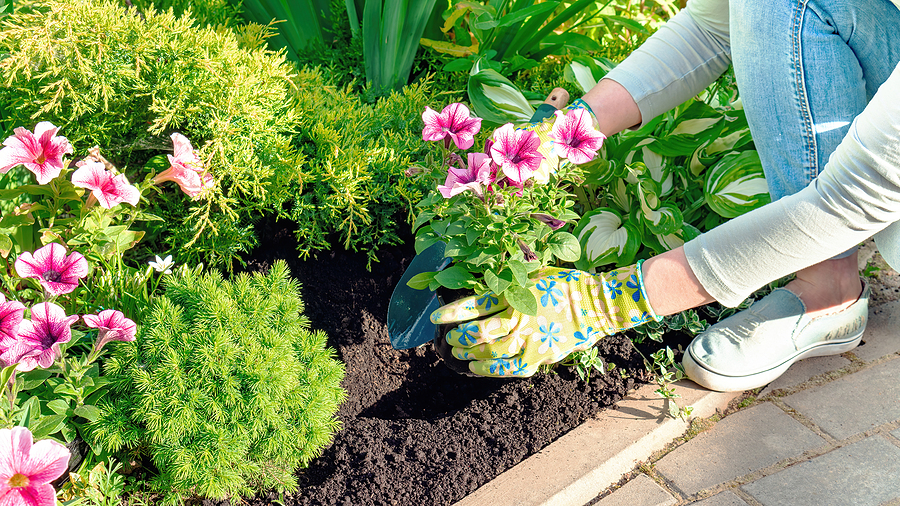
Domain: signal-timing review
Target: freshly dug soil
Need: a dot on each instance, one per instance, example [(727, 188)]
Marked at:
[(415, 432)]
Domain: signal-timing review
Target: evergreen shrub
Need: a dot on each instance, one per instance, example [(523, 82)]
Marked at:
[(354, 186), (226, 389), (125, 79)]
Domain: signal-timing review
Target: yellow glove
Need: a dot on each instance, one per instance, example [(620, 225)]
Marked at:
[(575, 309)]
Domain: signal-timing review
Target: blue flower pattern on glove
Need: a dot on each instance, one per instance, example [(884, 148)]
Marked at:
[(519, 367), (582, 338), (550, 292), (635, 285), (612, 289), (487, 300), (548, 333), (643, 318), (500, 366), (569, 276), (467, 331)]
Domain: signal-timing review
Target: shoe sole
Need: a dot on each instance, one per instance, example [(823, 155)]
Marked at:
[(720, 383)]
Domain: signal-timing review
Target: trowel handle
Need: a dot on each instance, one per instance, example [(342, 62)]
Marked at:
[(557, 99)]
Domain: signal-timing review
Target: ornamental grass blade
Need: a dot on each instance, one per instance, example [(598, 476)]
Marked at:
[(391, 32), (300, 21)]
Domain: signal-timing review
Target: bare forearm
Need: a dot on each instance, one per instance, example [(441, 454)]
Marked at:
[(671, 285), (613, 106)]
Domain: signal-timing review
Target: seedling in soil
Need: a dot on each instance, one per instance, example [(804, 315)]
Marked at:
[(584, 361)]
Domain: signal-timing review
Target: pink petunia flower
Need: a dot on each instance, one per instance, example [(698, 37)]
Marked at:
[(57, 272), (112, 325), (453, 121), (11, 314), (575, 136), (516, 152), (186, 169), (108, 189), (40, 337), (476, 174), (28, 468), (40, 152)]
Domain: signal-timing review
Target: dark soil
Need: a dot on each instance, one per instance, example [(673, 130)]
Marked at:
[(415, 432)]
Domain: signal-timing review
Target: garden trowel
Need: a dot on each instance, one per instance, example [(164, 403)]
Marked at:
[(409, 310)]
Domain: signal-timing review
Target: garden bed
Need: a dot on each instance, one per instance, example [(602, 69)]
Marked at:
[(414, 432)]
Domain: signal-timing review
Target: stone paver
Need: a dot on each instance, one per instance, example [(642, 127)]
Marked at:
[(726, 498), (861, 474), (804, 370), (593, 456), (741, 443), (641, 491), (854, 403), (881, 332), (896, 433)]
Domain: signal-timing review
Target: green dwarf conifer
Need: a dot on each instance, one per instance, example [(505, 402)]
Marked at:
[(225, 390)]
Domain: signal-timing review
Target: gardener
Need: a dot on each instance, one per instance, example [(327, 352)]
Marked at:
[(820, 85)]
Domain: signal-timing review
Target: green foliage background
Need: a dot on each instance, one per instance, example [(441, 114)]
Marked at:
[(226, 389)]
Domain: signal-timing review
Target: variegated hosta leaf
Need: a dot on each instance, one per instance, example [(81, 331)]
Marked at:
[(660, 243), (736, 184), (605, 239), (708, 153), (619, 194), (495, 99), (585, 71), (655, 163), (663, 220), (695, 126)]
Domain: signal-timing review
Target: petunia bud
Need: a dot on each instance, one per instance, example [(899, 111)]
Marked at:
[(554, 223), (530, 256), (413, 170)]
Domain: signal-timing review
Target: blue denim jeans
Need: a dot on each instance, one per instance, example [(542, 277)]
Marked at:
[(805, 69)]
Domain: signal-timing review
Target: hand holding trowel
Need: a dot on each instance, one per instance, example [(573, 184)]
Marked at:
[(409, 309)]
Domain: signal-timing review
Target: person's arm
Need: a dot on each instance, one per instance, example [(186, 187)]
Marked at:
[(856, 196), (676, 63)]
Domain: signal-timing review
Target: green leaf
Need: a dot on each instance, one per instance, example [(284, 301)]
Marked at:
[(455, 277), (498, 283), (48, 425), (58, 406), (736, 184), (92, 413), (423, 218), (421, 280), (496, 99), (30, 409), (519, 272), (6, 374), (521, 299), (605, 238), (564, 246), (472, 234), (425, 238)]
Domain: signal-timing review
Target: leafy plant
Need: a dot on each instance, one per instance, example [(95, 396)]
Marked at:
[(226, 390), (666, 372), (585, 361), (101, 485), (391, 30), (354, 188), (124, 81)]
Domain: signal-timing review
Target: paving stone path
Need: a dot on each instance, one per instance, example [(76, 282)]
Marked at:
[(825, 433)]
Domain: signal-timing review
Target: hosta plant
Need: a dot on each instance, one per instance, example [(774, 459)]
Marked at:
[(226, 390)]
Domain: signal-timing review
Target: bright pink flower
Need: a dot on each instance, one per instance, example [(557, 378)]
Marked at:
[(11, 313), (57, 272), (40, 337), (454, 121), (186, 169), (575, 136), (108, 189), (40, 152), (476, 174), (112, 326), (28, 468), (516, 151)]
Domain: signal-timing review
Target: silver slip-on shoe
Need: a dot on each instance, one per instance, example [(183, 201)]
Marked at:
[(752, 348)]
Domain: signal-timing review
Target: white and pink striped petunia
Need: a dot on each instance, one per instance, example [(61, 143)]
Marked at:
[(40, 337), (475, 176), (516, 152), (40, 152), (575, 136), (27, 469), (108, 189), (57, 272), (454, 121)]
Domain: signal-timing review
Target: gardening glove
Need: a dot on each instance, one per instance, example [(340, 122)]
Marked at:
[(575, 309)]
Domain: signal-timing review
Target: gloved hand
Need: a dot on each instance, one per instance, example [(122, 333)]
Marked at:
[(575, 309)]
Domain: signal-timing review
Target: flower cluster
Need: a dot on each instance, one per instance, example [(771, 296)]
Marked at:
[(500, 212), (36, 342)]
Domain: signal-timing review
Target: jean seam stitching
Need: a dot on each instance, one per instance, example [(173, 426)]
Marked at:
[(812, 162)]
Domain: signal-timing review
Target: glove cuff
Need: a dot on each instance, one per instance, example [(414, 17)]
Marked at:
[(640, 278)]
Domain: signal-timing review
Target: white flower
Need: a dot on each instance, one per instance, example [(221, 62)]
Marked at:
[(162, 265)]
